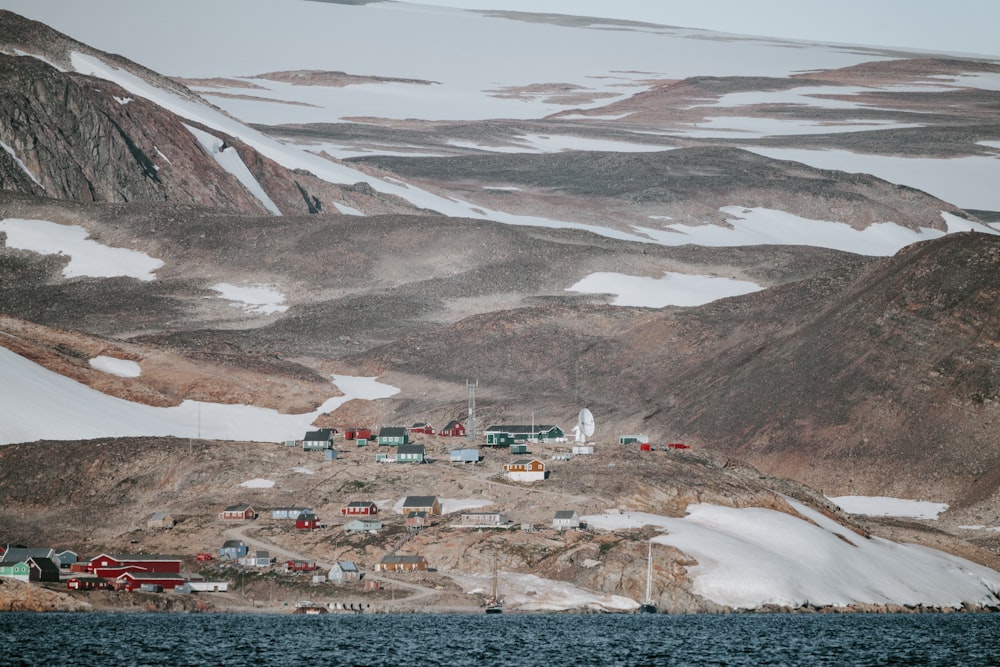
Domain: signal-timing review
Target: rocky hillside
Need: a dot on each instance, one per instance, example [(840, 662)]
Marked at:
[(81, 138), (96, 495)]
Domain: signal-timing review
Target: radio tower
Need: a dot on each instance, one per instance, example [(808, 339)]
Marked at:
[(470, 433)]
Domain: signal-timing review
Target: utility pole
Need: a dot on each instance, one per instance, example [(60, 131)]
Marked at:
[(470, 433)]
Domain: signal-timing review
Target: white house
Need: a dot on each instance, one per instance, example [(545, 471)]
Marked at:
[(566, 520)]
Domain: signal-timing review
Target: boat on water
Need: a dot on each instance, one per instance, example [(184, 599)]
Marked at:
[(648, 606), (494, 603), (307, 607)]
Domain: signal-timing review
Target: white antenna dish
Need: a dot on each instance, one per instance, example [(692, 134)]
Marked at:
[(584, 425)]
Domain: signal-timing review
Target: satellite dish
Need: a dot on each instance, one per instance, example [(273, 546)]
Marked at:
[(584, 425)]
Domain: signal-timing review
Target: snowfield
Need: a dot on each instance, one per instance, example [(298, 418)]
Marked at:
[(751, 557), (34, 394)]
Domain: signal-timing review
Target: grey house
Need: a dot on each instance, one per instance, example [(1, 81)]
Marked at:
[(363, 526), (344, 572)]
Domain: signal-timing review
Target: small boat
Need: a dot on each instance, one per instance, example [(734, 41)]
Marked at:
[(648, 606), (306, 607), (494, 603)]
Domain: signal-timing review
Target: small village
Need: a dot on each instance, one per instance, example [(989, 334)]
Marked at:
[(223, 568)]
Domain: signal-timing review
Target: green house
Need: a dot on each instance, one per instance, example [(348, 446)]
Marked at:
[(506, 435), (410, 454), (20, 571), (393, 436)]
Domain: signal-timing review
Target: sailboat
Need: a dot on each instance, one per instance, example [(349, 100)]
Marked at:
[(648, 606), (493, 604)]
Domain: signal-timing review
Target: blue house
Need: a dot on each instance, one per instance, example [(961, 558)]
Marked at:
[(233, 550), (467, 455)]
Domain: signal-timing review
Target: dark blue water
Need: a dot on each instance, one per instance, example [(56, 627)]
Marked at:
[(245, 640)]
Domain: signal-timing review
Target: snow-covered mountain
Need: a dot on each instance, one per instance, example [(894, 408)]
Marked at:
[(308, 84)]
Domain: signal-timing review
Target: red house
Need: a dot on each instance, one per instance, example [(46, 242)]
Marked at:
[(300, 566), (111, 567), (87, 584), (453, 429), (422, 427), (132, 581), (357, 434), (360, 508), (238, 513), (307, 521)]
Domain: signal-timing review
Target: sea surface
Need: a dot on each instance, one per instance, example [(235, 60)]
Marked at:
[(552, 640)]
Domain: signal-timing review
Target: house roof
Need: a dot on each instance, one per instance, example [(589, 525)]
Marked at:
[(346, 566), (521, 428), (360, 503), (307, 516), (410, 449), (19, 554), (261, 554), (454, 423), (392, 432), (419, 501), (521, 462), (233, 544), (419, 424), (134, 557), (416, 514), (320, 434), (565, 514), (238, 508), (164, 576), (390, 558), (363, 522)]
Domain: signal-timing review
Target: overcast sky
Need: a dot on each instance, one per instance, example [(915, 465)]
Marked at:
[(953, 26)]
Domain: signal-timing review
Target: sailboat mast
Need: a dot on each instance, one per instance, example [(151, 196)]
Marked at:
[(649, 574)]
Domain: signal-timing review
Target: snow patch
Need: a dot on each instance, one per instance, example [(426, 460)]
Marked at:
[(756, 226), (120, 367), (21, 164), (673, 289), (883, 506), (452, 505), (88, 258), (229, 159), (261, 299), (258, 483)]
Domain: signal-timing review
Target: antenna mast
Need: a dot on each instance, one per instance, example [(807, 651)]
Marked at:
[(470, 433)]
